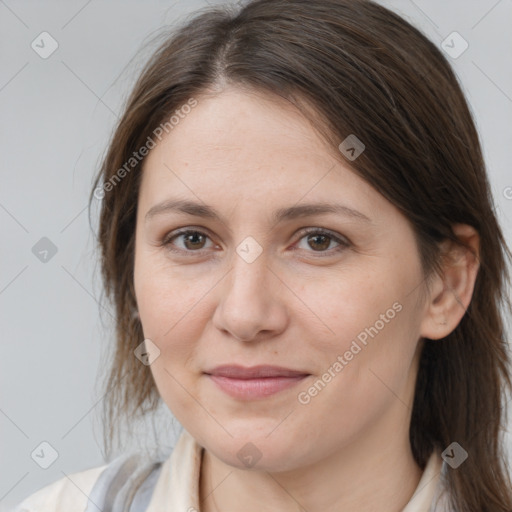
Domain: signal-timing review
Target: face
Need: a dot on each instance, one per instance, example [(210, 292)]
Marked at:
[(331, 296)]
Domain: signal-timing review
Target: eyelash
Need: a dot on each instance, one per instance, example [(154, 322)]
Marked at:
[(343, 243)]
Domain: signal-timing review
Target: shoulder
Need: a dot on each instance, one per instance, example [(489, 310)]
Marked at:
[(127, 478), (69, 493)]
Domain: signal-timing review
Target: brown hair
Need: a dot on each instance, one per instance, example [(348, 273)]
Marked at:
[(355, 67)]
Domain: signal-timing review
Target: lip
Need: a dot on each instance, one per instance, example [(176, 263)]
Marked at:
[(254, 382), (234, 371)]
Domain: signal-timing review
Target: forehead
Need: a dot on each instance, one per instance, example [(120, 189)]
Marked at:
[(236, 125), (244, 147)]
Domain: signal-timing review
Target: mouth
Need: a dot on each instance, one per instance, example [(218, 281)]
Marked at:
[(256, 382)]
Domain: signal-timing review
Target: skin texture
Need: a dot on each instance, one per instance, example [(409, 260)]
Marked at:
[(299, 304)]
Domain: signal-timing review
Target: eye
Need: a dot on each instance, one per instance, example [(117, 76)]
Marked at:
[(319, 240), (193, 240)]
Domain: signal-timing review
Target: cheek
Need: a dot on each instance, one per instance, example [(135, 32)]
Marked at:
[(370, 321), (342, 306), (363, 368), (169, 298), (174, 310), (172, 316)]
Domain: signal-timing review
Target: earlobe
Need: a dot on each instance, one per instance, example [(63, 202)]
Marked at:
[(452, 291)]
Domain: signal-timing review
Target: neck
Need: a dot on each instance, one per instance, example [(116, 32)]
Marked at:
[(368, 474)]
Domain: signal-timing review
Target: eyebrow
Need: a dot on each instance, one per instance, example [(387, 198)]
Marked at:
[(289, 213)]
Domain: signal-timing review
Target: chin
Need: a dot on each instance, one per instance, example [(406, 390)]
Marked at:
[(258, 452)]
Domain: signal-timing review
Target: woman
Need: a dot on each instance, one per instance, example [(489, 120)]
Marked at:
[(298, 236)]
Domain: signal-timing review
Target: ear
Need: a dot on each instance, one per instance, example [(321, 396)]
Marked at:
[(451, 292)]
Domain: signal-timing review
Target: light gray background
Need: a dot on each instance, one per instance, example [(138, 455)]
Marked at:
[(56, 118)]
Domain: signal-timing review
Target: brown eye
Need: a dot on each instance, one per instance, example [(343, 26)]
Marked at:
[(194, 240), (191, 241), (319, 241)]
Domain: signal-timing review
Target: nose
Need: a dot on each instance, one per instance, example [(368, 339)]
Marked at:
[(251, 305)]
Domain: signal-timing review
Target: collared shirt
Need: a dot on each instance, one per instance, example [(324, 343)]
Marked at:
[(134, 483)]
